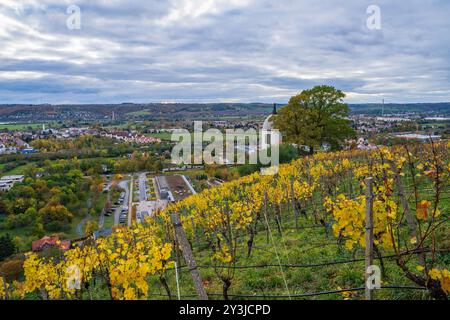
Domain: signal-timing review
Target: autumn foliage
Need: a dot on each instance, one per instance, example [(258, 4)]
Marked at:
[(327, 186)]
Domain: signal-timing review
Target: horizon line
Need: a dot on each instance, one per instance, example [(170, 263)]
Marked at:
[(202, 103)]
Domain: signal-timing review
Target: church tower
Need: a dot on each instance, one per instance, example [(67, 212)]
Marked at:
[(269, 136)]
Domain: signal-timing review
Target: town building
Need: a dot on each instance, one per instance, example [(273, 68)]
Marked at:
[(7, 182), (416, 136), (50, 242), (270, 136)]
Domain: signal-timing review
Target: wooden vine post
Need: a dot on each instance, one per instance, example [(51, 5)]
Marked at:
[(188, 256), (369, 236)]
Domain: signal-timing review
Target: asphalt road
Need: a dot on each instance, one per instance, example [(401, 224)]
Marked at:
[(142, 187), (81, 224), (124, 186), (129, 201)]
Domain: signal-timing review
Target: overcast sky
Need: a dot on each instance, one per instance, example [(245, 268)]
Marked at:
[(222, 50)]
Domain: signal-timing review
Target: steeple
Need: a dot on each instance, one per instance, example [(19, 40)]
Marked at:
[(274, 112)]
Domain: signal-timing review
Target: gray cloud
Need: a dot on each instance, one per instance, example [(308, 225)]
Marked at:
[(222, 50)]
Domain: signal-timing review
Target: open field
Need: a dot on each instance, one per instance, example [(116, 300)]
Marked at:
[(23, 126), (164, 136), (27, 126), (19, 169)]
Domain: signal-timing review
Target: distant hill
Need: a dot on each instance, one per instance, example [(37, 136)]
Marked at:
[(373, 108), (130, 111), (175, 111)]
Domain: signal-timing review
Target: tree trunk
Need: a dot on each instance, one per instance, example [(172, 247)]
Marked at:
[(433, 286), (436, 291), (225, 287), (166, 286), (380, 257), (277, 220), (250, 241)]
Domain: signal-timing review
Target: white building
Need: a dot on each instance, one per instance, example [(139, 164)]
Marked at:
[(392, 119), (7, 182), (270, 136), (416, 136)]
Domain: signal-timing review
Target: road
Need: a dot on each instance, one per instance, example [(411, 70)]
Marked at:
[(81, 224), (124, 185), (142, 187), (101, 220), (88, 217), (129, 200)]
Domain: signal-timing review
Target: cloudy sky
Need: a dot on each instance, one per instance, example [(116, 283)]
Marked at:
[(222, 50)]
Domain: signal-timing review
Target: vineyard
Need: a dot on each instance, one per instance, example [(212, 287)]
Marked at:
[(297, 235)]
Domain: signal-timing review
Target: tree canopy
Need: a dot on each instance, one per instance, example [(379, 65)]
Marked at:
[(314, 117)]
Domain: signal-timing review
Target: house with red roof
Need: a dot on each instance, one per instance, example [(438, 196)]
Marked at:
[(49, 242)]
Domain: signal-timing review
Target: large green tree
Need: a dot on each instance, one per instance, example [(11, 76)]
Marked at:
[(314, 117)]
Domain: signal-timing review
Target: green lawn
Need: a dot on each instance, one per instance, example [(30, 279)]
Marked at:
[(72, 233), (19, 169), (109, 222), (140, 113), (26, 126), (165, 136), (19, 126), (23, 235)]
